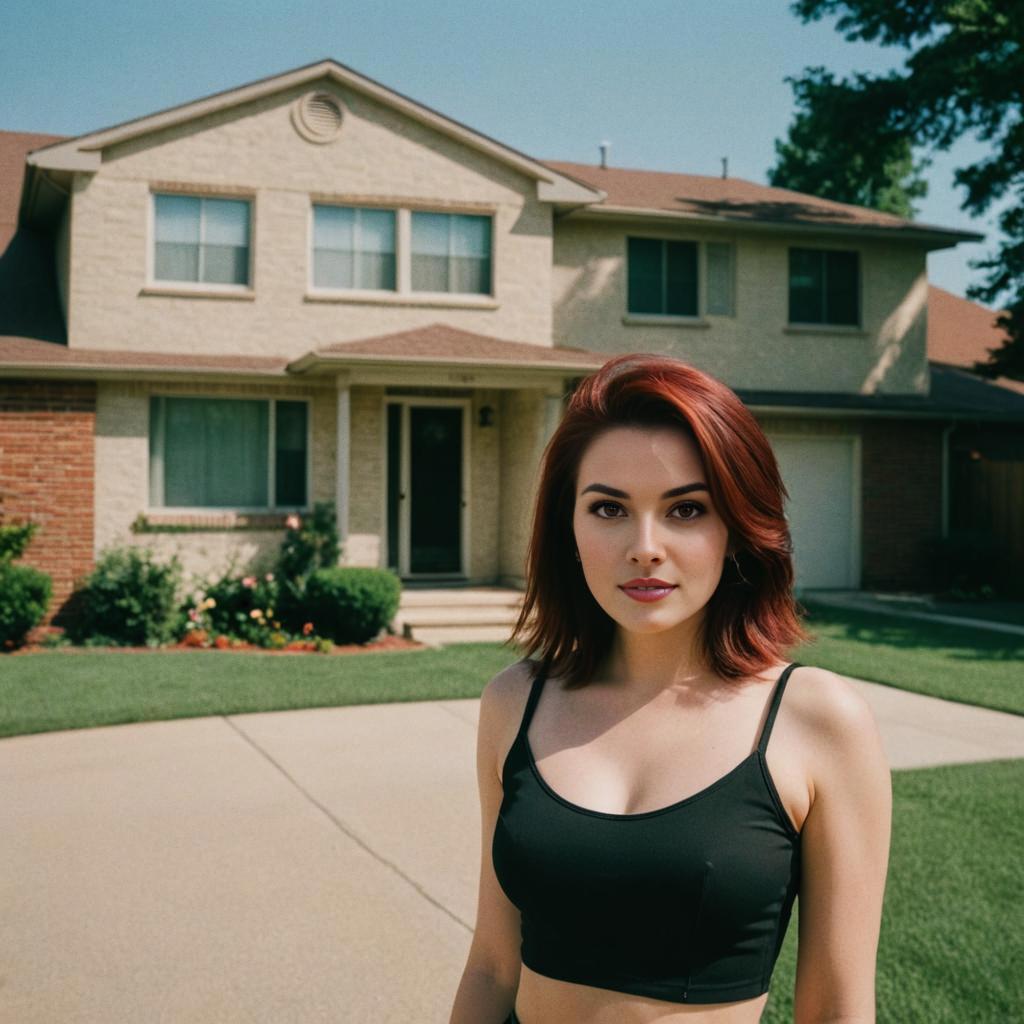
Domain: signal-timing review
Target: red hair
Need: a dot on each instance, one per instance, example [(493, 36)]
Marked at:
[(752, 617)]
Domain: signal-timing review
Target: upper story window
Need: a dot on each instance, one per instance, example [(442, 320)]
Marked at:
[(200, 239), (824, 286), (451, 252), (353, 247), (664, 277), (228, 453)]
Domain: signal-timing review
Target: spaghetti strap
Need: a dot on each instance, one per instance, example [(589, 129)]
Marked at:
[(531, 702), (773, 709)]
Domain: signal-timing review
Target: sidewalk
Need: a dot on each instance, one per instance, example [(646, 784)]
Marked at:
[(315, 865)]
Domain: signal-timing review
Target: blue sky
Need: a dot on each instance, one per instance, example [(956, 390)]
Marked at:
[(673, 85)]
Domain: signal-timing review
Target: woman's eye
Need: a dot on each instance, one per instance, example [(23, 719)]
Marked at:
[(603, 504), (690, 506)]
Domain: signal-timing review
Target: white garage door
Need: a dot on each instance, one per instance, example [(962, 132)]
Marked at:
[(822, 478)]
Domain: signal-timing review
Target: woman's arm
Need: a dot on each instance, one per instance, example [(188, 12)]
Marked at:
[(490, 979), (845, 855)]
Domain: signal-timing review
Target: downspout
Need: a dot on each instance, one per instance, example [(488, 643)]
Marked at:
[(946, 431)]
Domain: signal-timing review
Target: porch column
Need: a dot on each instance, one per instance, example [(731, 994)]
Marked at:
[(552, 413), (344, 444)]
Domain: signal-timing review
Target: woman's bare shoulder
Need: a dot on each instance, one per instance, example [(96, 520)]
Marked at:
[(502, 705), (835, 721)]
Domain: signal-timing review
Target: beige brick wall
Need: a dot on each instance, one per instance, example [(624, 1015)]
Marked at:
[(379, 153), (122, 475), (754, 349)]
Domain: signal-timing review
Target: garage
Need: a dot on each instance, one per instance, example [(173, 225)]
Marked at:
[(822, 476)]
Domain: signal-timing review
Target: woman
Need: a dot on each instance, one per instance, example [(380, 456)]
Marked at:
[(643, 842)]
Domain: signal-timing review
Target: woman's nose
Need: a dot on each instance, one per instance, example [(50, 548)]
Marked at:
[(645, 545)]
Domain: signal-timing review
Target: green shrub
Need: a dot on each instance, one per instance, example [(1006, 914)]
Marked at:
[(310, 543), (14, 538), (244, 606), (128, 600), (24, 597), (351, 604)]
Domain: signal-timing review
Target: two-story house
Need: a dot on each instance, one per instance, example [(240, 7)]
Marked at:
[(314, 288)]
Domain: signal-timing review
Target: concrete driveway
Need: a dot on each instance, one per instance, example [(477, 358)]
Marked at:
[(298, 866)]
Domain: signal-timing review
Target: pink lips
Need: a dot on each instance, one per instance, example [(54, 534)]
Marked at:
[(647, 590)]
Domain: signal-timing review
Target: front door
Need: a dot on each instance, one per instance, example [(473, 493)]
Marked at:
[(425, 489)]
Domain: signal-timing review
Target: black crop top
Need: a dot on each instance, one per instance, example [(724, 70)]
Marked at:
[(687, 903)]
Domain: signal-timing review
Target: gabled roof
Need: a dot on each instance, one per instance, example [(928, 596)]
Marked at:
[(698, 198), (439, 344), (83, 153)]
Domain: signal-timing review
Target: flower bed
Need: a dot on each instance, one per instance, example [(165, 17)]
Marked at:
[(384, 643)]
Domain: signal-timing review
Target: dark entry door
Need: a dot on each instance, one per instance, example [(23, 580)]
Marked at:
[(435, 477)]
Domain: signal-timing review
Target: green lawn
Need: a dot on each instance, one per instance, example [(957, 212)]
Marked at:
[(64, 690), (951, 944), (78, 689), (959, 663)]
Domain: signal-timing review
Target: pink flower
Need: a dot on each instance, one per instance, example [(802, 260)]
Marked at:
[(193, 614), (293, 522), (249, 581), (269, 577)]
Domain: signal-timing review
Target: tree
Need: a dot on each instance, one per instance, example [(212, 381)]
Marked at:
[(875, 169), (963, 76)]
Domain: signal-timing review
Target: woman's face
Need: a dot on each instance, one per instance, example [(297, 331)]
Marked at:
[(627, 526)]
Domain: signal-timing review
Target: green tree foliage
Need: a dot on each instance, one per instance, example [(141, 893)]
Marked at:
[(875, 169), (963, 76)]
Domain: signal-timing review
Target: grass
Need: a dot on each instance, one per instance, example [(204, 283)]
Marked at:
[(958, 663), (62, 690), (74, 690), (951, 942)]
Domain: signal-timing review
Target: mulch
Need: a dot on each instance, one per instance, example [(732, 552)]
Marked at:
[(384, 643)]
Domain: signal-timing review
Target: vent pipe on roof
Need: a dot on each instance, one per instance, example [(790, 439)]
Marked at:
[(725, 167), (604, 146)]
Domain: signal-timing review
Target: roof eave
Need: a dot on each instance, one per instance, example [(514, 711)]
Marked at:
[(317, 361), (933, 237)]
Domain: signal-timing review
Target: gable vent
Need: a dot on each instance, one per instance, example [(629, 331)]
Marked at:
[(317, 117)]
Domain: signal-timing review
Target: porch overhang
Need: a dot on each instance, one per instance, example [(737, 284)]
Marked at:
[(440, 354)]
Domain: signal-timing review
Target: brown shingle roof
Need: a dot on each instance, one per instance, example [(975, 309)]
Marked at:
[(732, 198), (23, 355), (441, 342), (961, 332)]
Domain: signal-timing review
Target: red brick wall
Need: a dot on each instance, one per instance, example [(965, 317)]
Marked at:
[(47, 476), (901, 487)]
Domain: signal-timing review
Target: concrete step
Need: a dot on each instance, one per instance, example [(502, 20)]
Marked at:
[(454, 634), (493, 616), (472, 597)]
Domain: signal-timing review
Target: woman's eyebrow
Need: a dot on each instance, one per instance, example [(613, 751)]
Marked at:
[(616, 493)]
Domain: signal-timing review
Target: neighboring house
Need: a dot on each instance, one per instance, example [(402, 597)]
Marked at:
[(313, 288)]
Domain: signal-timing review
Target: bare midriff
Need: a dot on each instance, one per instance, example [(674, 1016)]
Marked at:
[(543, 1000)]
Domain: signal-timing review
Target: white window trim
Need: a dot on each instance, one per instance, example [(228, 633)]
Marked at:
[(403, 293), (164, 286), (271, 456)]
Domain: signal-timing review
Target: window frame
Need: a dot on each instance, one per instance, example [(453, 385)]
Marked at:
[(312, 288), (156, 284), (824, 324), (273, 507), (403, 293), (700, 318)]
